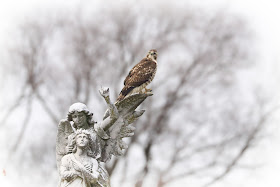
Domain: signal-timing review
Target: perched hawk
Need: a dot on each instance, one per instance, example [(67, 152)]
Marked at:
[(140, 75)]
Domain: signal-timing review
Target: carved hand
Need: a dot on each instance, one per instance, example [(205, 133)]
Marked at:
[(88, 168), (70, 176), (69, 149), (104, 92), (64, 122)]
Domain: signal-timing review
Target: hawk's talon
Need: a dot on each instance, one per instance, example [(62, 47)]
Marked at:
[(148, 90)]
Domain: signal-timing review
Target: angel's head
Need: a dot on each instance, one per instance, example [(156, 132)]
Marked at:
[(82, 140), (80, 115)]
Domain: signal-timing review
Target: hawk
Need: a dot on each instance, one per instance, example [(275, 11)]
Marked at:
[(140, 76)]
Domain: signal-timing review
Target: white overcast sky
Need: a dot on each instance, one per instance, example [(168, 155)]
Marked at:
[(263, 17)]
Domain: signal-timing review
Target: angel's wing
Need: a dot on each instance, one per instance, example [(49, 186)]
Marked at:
[(122, 127), (63, 131)]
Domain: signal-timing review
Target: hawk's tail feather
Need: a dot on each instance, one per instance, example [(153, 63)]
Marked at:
[(121, 97), (124, 92)]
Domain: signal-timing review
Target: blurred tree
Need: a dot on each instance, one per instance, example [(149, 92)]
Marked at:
[(197, 124)]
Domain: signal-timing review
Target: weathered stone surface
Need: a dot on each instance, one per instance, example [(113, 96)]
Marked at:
[(103, 139)]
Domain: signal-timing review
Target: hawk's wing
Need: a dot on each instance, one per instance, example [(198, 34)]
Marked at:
[(138, 75)]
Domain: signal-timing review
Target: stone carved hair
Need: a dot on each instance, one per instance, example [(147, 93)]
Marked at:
[(80, 107), (90, 142)]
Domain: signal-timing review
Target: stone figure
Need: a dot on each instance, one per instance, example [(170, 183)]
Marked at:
[(79, 117), (105, 138), (79, 168)]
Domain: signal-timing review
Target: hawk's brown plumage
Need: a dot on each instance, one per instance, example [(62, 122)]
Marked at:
[(140, 75)]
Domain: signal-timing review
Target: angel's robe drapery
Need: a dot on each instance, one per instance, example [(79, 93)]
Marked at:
[(65, 135), (80, 180)]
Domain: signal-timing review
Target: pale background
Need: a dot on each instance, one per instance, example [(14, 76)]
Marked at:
[(263, 17)]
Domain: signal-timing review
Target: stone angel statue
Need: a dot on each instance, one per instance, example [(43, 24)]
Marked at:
[(79, 168), (105, 136)]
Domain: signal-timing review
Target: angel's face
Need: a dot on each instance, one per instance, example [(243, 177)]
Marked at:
[(82, 140), (79, 119)]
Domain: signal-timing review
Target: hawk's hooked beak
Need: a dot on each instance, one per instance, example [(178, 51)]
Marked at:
[(154, 55)]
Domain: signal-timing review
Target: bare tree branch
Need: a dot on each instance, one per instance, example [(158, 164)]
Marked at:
[(14, 106), (244, 149), (194, 111), (24, 125)]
